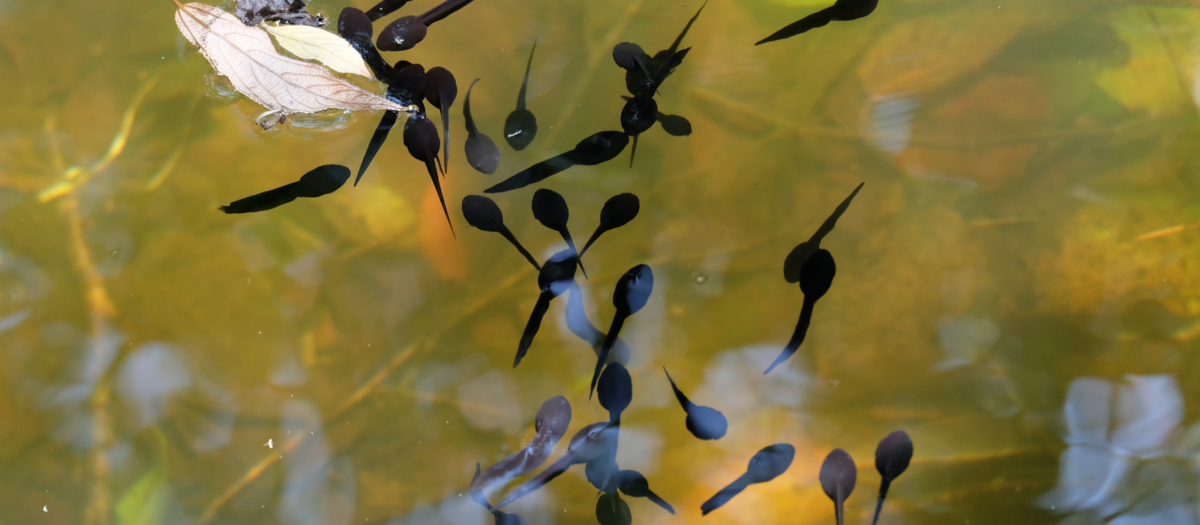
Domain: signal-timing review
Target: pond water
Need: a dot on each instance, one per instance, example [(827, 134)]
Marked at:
[(1017, 283)]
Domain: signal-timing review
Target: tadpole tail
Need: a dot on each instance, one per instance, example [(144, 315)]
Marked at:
[(633, 153), (813, 21), (525, 83), (381, 133), (724, 495), (797, 337), (513, 239), (683, 400), (883, 488), (595, 235), (540, 480), (609, 341), (437, 185), (531, 328)]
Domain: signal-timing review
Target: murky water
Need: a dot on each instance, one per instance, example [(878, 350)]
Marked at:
[(1017, 281)]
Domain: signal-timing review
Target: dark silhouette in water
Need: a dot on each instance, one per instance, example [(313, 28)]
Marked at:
[(384, 8), (554, 278), (482, 153), (355, 27), (618, 210), (421, 138), (838, 475), (703, 422), (550, 209), (521, 126), (815, 279), (440, 91), (406, 87), (841, 10), (600, 147), (481, 212), (408, 31), (795, 259), (766, 465), (615, 391), (891, 459), (631, 294), (592, 443), (320, 181), (634, 484), (675, 125), (551, 424), (612, 510), (579, 325)]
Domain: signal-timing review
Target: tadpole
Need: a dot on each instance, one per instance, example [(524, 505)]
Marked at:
[(612, 510), (646, 82), (482, 213), (631, 294), (634, 484), (766, 465), (638, 115), (796, 258), (406, 87), (838, 475), (355, 27), (591, 443), (440, 90), (891, 459), (377, 139), (550, 209), (551, 425), (703, 422), (579, 325), (630, 57), (408, 31), (421, 138), (554, 278), (815, 279), (618, 210), (482, 153), (320, 181), (521, 126), (600, 147), (841, 10), (615, 391), (384, 8), (675, 125)]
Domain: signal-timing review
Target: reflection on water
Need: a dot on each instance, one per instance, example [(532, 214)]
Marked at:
[(1015, 281)]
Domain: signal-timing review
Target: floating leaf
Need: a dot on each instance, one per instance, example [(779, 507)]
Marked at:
[(284, 85), (322, 46)]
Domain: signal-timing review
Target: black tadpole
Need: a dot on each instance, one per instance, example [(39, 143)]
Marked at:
[(615, 390), (600, 147), (703, 422), (482, 212), (815, 279), (381, 134), (638, 115), (482, 153), (421, 138), (631, 294), (591, 443), (408, 31), (384, 8), (521, 126), (891, 459), (633, 484), (355, 27), (554, 278), (320, 181), (841, 10), (612, 510), (440, 91), (550, 209), (618, 210), (796, 258), (766, 465), (838, 475)]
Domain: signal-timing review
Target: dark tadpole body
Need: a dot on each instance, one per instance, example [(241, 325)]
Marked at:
[(618, 210), (355, 27), (675, 125), (554, 278), (638, 115), (615, 391), (521, 126), (408, 31), (842, 10), (891, 460), (440, 91), (482, 153), (406, 88), (703, 422), (550, 209), (320, 181), (632, 292), (482, 212), (815, 279), (377, 139), (593, 442), (838, 475), (599, 147), (766, 465), (421, 138), (796, 258), (551, 424), (646, 82), (612, 510), (384, 8), (634, 484)]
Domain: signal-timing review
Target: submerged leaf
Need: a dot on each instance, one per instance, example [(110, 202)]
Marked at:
[(283, 85), (322, 46)]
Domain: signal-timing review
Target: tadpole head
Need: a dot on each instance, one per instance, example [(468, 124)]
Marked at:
[(639, 115), (675, 125), (554, 416), (550, 209), (599, 147), (421, 138), (408, 84), (322, 180), (403, 33), (838, 475), (893, 454), (615, 388), (353, 22), (519, 129), (440, 88), (482, 153), (633, 289), (482, 212), (706, 422), (627, 55), (816, 276), (768, 463), (619, 210)]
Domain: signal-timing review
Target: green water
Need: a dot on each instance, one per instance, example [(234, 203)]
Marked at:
[(1017, 282)]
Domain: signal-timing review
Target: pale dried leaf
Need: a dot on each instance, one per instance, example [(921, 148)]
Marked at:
[(284, 85), (320, 45)]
